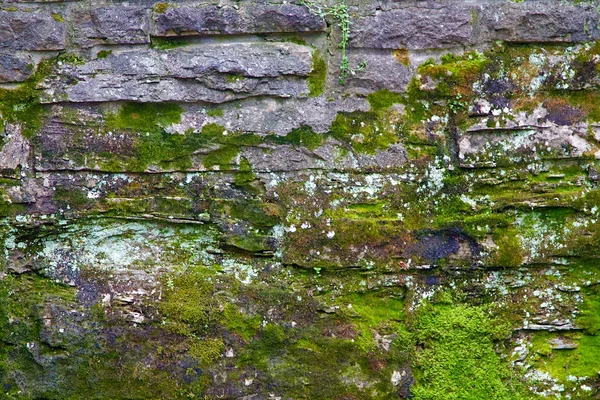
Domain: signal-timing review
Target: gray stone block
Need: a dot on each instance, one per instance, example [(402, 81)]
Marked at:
[(36, 30), (538, 21), (211, 19), (111, 25), (15, 67), (435, 25), (213, 73)]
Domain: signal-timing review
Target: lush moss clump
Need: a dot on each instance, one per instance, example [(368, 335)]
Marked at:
[(458, 358), (316, 79), (302, 137), (144, 117), (582, 361), (166, 43), (383, 99), (365, 132), (103, 53), (22, 105), (189, 305)]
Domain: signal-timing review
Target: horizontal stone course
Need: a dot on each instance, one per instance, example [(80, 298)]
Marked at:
[(454, 24), (211, 19), (213, 73), (414, 27), (539, 21)]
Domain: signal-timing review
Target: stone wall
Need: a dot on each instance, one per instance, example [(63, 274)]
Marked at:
[(237, 200)]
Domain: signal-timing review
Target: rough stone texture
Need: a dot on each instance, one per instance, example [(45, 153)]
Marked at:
[(540, 21), (195, 204), (212, 73), (15, 68), (115, 25), (15, 152), (31, 30), (214, 20), (410, 27)]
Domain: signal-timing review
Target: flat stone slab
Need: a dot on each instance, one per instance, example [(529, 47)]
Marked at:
[(455, 24), (415, 27), (539, 21), (211, 73), (212, 20)]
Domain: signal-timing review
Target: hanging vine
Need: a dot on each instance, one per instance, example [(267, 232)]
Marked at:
[(340, 13)]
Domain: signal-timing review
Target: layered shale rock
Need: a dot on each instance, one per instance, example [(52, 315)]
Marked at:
[(299, 200)]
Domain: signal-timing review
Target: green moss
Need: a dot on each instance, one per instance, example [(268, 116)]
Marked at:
[(509, 252), (144, 117), (103, 53), (252, 211), (230, 144), (242, 325), (245, 174), (383, 99), (153, 145), (215, 112), (589, 318), (374, 311), (365, 132), (188, 303), (316, 79), (233, 78), (22, 105), (165, 43), (457, 359), (455, 74), (205, 351), (71, 197), (161, 8), (302, 137), (583, 361), (58, 18), (292, 38), (220, 157)]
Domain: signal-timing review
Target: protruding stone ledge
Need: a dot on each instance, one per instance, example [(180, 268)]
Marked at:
[(490, 147), (214, 73), (36, 30), (213, 20)]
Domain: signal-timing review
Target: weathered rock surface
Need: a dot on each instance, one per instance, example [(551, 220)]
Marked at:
[(15, 68), (254, 18), (111, 25), (35, 30), (212, 73), (540, 21), (410, 27), (202, 200)]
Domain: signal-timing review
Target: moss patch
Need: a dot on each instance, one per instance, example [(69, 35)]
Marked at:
[(383, 99), (458, 359), (316, 79)]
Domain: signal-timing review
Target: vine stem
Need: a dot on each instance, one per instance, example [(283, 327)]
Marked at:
[(341, 15)]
